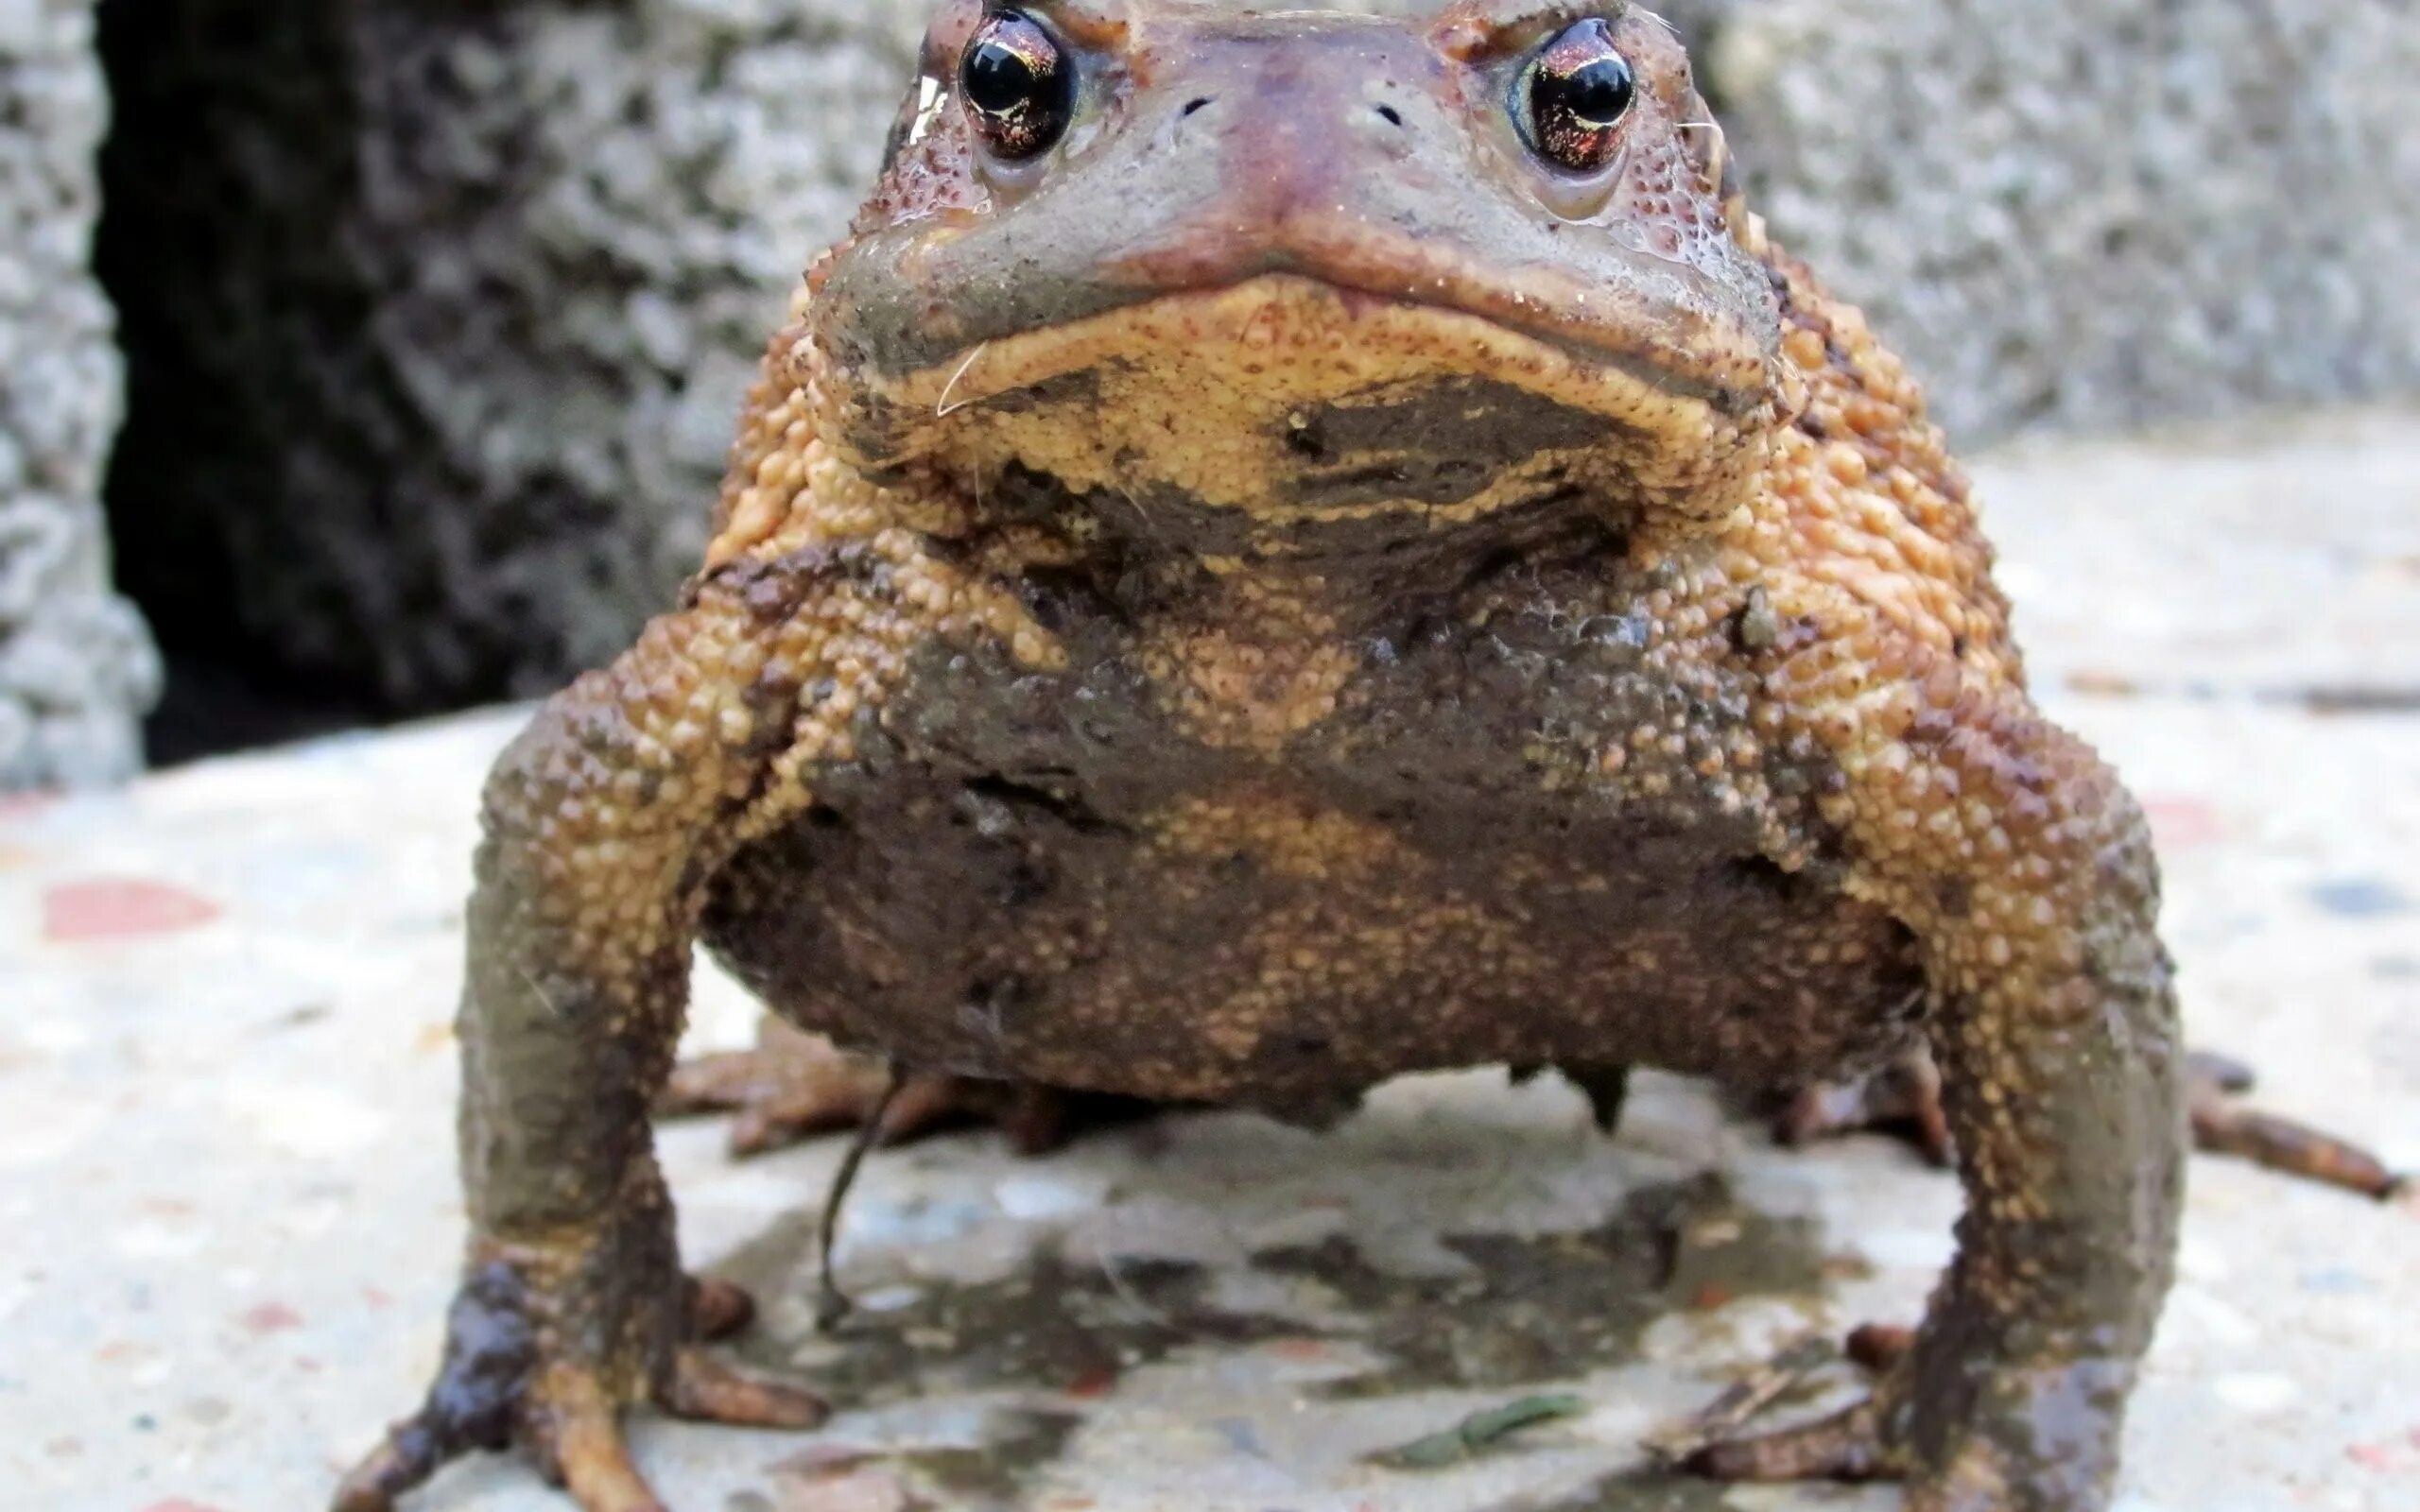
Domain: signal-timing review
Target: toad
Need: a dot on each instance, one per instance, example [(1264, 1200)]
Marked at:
[(1284, 551)]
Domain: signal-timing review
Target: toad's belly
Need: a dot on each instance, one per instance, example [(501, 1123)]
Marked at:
[(1254, 950)]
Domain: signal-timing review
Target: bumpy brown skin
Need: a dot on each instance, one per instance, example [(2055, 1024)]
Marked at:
[(1288, 589)]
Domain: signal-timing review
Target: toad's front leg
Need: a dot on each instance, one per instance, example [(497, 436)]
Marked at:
[(603, 823), (2055, 1030)]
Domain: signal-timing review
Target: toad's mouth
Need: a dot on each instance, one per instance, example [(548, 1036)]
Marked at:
[(1286, 394), (1663, 325)]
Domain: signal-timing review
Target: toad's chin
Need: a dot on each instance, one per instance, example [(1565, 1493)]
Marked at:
[(1295, 399)]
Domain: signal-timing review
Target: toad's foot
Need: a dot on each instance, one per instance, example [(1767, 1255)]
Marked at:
[(795, 1085), (2223, 1126), (1980, 1456), (1903, 1099), (507, 1378)]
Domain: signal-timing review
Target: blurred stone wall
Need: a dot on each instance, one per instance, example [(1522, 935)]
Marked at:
[(439, 309), (2094, 214), (75, 667)]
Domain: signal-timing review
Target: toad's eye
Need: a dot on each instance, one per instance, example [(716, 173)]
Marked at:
[(1573, 95), (1018, 85)]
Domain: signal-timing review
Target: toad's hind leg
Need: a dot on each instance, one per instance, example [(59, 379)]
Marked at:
[(794, 1085)]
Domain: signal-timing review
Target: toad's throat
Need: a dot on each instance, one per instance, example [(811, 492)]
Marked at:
[(1447, 447), (1289, 399)]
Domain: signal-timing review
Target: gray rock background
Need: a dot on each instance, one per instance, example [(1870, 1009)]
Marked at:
[(439, 310), (75, 665), (2088, 215), (443, 385)]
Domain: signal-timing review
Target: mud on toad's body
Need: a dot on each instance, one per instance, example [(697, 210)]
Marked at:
[(1285, 551)]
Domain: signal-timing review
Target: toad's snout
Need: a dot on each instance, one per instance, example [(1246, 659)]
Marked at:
[(1301, 154)]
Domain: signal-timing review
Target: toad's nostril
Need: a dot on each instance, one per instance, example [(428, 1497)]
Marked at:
[(1193, 105), (1392, 118)]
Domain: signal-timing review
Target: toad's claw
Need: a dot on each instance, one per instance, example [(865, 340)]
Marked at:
[(706, 1390), (490, 1351), (397, 1465), (581, 1437)]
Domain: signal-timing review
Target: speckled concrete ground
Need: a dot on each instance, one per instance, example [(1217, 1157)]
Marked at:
[(225, 1157)]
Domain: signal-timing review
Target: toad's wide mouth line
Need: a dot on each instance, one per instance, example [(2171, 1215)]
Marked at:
[(993, 366)]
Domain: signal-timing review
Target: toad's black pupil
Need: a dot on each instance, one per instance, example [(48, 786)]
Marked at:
[(1017, 84), (1596, 93), (999, 78), (1579, 88)]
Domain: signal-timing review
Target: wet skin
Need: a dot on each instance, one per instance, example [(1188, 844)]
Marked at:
[(1337, 559)]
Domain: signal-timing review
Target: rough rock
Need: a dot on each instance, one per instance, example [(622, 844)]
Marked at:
[(2085, 214), (76, 668), (472, 293)]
